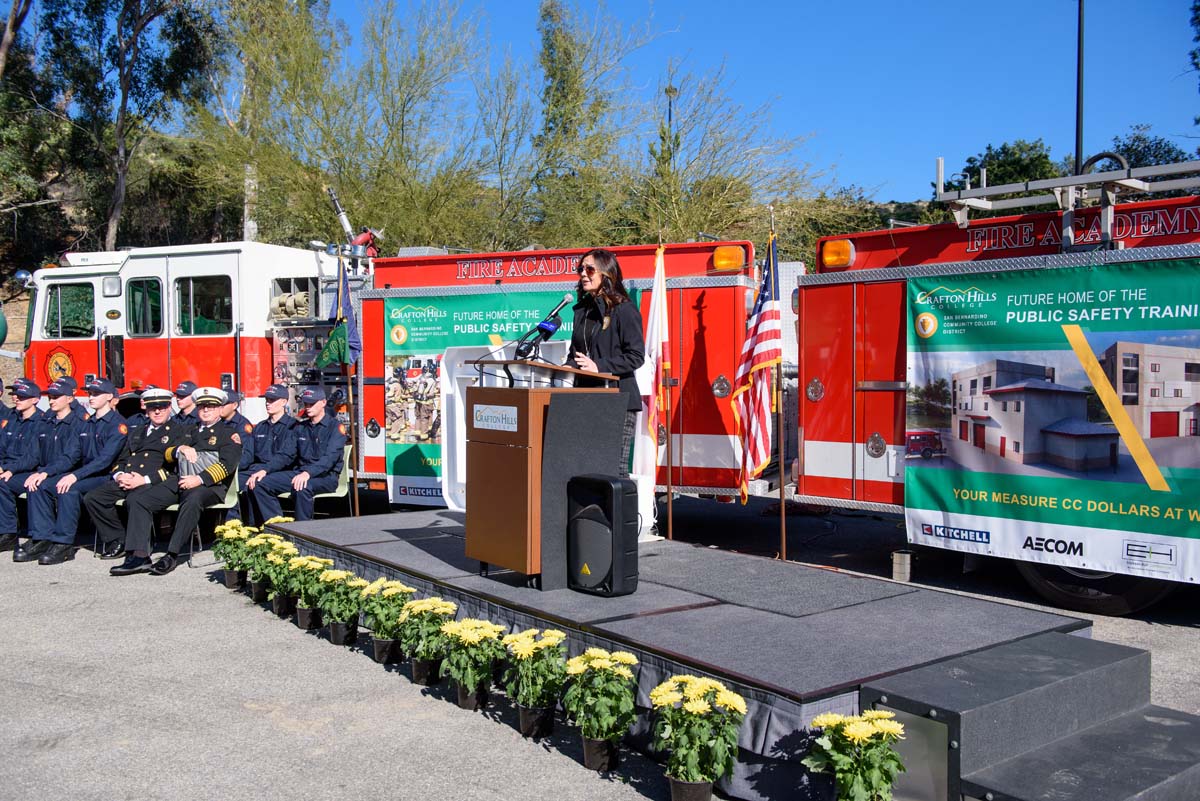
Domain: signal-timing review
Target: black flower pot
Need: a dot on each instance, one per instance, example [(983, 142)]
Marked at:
[(690, 791), (426, 671), (259, 590), (473, 699), (343, 633), (386, 652), (308, 619), (600, 754), (535, 722), (283, 605), (234, 579)]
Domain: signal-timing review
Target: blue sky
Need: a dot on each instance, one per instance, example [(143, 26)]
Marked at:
[(881, 89)]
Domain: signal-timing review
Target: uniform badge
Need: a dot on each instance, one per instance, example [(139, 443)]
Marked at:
[(342, 429), (212, 440), (3, 424), (236, 438), (249, 428), (124, 429), (165, 440)]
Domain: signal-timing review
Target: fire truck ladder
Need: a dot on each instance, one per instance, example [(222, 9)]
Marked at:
[(1069, 193)]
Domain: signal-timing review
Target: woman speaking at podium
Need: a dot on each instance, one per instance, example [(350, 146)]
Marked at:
[(608, 336)]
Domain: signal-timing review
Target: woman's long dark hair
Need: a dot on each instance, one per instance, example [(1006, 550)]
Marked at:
[(612, 290)]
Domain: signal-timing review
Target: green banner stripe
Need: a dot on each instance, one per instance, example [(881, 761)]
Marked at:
[(1113, 505)]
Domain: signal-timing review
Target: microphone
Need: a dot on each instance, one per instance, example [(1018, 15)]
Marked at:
[(543, 330)]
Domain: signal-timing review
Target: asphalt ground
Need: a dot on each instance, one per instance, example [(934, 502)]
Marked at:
[(176, 688)]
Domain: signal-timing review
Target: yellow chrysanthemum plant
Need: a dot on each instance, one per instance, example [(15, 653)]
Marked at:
[(275, 568), (304, 579), (859, 751), (472, 648), (600, 693), (383, 599), (341, 596), (421, 627), (537, 667), (230, 546), (696, 721), (258, 547)]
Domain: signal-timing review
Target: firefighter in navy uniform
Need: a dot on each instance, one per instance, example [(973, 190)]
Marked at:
[(320, 445), (206, 462), (6, 411), (187, 404), (54, 516), (143, 463), (272, 450), (18, 453), (59, 452)]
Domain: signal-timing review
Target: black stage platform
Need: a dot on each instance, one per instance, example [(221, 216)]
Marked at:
[(794, 640)]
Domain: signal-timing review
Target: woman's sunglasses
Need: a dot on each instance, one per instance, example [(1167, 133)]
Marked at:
[(589, 269)]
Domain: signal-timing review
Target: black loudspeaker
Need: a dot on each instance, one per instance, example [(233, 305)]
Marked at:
[(602, 535)]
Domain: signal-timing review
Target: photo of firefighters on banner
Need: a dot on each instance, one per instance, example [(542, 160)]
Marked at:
[(417, 332), (1054, 416)]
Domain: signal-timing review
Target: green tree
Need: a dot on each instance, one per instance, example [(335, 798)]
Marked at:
[(1143, 149), (122, 67), (18, 10)]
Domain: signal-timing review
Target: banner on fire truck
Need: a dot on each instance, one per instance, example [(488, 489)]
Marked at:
[(1053, 416), (418, 330)]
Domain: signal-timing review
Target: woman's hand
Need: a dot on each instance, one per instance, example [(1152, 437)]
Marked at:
[(584, 362)]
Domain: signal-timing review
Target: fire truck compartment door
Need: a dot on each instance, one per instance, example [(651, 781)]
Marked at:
[(143, 322), (826, 390), (879, 391)]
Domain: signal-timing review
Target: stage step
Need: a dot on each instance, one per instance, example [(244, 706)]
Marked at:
[(1009, 704), (1152, 754)]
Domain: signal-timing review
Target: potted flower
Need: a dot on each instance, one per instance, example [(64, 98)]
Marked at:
[(341, 603), (535, 678), (279, 577), (600, 699), (230, 548), (859, 751), (305, 584), (382, 601), (421, 635), (697, 722), (472, 647), (258, 548)]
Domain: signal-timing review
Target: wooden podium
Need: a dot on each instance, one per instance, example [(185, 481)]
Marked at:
[(523, 444)]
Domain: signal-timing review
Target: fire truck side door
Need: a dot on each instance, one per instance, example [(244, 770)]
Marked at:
[(65, 326), (144, 310), (880, 368), (202, 317)]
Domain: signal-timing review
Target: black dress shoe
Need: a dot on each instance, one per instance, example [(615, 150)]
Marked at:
[(112, 550), (131, 565), (165, 564), (57, 553), (7, 542), (30, 550)]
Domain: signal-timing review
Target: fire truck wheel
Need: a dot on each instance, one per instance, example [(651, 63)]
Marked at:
[(927, 453), (1093, 591)]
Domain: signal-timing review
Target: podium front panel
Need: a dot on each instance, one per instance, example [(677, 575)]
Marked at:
[(500, 514)]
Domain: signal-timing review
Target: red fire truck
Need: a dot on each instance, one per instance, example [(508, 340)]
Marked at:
[(1029, 345)]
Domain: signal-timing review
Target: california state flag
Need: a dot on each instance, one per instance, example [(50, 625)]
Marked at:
[(650, 377)]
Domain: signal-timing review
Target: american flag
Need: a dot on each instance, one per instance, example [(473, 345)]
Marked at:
[(752, 394)]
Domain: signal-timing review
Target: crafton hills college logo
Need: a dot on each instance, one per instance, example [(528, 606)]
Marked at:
[(398, 334), (926, 325)]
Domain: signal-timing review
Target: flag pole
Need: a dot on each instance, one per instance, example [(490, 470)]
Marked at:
[(670, 489), (353, 440), (779, 415)]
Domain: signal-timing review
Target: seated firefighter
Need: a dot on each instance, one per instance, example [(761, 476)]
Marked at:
[(143, 463), (60, 451), (206, 461), (320, 446), (272, 450), (54, 508), (19, 454)]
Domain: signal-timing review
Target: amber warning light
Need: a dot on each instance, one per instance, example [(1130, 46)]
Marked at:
[(837, 254), (729, 257)]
